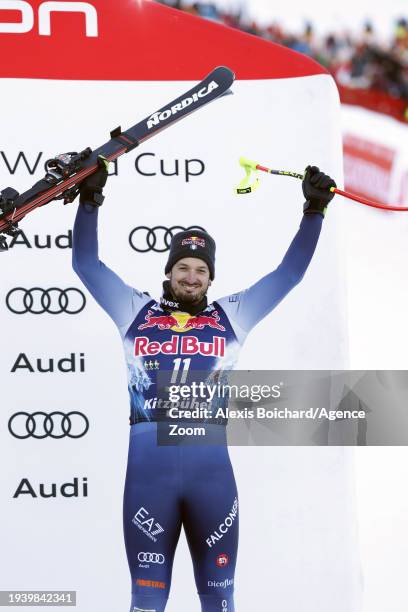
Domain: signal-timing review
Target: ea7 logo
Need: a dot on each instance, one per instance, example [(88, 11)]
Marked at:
[(147, 524), (45, 10)]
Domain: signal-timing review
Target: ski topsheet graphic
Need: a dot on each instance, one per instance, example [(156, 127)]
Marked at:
[(65, 172)]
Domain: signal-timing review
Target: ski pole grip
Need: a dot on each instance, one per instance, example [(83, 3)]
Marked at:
[(247, 163)]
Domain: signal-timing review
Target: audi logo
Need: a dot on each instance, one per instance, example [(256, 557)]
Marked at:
[(41, 425), (38, 301), (145, 557), (143, 239)]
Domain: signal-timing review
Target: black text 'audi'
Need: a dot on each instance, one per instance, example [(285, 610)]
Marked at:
[(39, 301)]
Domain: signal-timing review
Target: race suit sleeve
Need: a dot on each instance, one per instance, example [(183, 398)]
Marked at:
[(120, 301), (246, 308)]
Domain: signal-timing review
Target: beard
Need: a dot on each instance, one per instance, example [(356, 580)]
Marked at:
[(194, 295)]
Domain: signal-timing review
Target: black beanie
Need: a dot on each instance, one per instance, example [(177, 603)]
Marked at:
[(192, 243)]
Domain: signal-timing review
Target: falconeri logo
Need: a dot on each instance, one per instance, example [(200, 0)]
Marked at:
[(223, 528), (45, 10)]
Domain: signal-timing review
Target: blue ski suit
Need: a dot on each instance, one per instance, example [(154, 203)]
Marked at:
[(170, 486)]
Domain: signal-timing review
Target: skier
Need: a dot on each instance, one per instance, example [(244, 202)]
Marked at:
[(169, 486)]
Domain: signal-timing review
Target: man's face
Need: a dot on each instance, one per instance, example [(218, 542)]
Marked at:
[(189, 279)]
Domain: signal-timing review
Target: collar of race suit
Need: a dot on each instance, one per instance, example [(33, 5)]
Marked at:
[(170, 304)]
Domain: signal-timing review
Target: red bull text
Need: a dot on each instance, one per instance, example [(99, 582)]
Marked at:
[(180, 345)]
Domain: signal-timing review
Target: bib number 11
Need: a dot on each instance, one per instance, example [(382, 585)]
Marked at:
[(176, 370)]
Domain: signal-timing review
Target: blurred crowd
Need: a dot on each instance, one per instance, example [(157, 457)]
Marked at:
[(359, 61)]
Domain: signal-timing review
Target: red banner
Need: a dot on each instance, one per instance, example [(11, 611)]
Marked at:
[(367, 168), (112, 40), (377, 101)]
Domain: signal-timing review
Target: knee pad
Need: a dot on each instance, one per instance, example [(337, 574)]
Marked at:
[(217, 602)]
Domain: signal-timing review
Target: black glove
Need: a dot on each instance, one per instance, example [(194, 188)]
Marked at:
[(316, 189), (90, 189)]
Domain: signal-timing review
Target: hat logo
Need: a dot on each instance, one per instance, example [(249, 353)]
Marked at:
[(193, 242)]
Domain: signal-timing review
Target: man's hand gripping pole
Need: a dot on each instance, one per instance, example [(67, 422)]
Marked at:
[(252, 168)]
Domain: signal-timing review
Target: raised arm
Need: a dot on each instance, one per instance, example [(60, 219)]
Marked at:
[(248, 307), (118, 299)]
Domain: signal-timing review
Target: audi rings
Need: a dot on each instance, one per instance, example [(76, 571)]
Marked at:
[(145, 557), (143, 239), (41, 425), (37, 300)]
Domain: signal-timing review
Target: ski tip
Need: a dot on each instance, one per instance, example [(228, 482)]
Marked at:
[(224, 72)]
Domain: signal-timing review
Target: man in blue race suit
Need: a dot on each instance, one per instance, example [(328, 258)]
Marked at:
[(181, 333)]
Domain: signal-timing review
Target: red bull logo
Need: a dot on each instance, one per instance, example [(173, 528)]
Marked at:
[(193, 242), (180, 345), (178, 322), (202, 321), (161, 321)]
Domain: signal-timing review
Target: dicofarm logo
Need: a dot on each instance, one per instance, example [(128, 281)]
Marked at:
[(221, 585), (45, 10), (159, 116)]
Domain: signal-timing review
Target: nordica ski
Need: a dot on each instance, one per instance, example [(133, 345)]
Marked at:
[(65, 172)]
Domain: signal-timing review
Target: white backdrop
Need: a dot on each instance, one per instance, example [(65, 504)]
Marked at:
[(299, 528)]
